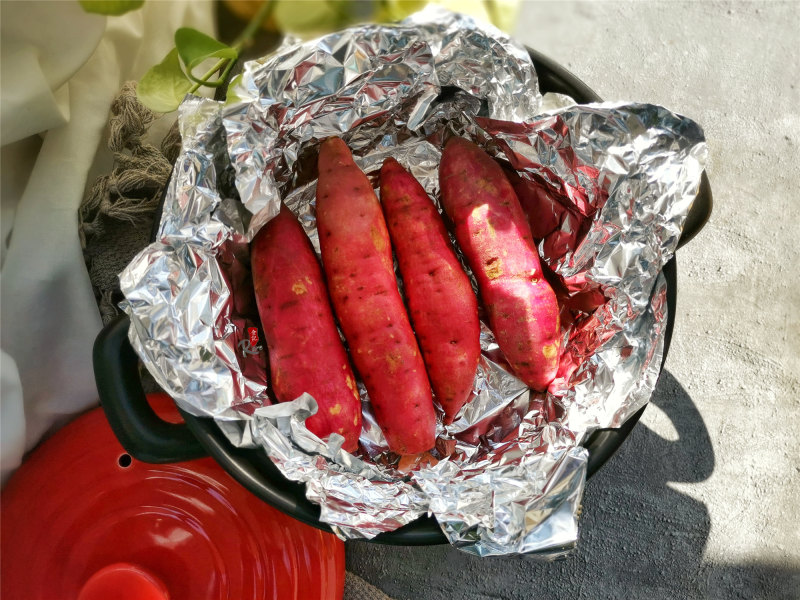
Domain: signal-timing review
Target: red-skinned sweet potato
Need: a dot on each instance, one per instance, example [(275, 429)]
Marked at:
[(494, 234), (357, 259), (442, 305), (306, 353)]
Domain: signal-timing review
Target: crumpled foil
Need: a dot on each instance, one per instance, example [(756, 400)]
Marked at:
[(611, 185)]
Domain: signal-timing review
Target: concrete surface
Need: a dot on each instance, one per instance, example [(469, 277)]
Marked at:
[(701, 501)]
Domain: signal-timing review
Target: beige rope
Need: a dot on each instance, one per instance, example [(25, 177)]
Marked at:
[(140, 170), (119, 207)]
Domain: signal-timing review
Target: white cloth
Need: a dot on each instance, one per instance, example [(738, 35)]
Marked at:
[(61, 68)]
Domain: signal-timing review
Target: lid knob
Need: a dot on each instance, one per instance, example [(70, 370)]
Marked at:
[(123, 581)]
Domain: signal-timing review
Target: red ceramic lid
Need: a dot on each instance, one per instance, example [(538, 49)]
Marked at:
[(82, 521)]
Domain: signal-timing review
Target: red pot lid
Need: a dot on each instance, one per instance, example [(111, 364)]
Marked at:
[(81, 520)]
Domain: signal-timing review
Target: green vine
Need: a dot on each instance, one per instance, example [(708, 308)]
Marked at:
[(165, 85), (199, 61)]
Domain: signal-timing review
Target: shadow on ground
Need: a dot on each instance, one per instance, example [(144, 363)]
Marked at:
[(639, 537)]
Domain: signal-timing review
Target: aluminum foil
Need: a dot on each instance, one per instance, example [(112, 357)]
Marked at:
[(611, 185)]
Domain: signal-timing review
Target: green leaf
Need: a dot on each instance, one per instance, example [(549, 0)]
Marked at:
[(503, 13), (395, 10), (231, 96), (311, 17), (113, 8), (195, 47), (164, 86)]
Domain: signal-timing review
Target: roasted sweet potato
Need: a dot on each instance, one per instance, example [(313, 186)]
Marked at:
[(306, 353), (494, 234), (443, 307), (357, 259)]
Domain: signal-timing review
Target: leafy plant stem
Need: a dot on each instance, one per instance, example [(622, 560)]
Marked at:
[(264, 13), (242, 40), (204, 79)]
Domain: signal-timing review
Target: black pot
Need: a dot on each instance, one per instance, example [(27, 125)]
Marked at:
[(149, 439)]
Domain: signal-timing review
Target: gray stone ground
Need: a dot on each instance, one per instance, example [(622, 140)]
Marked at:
[(702, 500)]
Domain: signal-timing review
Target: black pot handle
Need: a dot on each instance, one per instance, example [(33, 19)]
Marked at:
[(699, 213), (141, 432)]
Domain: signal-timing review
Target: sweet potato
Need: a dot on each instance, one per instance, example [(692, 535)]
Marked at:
[(357, 260), (494, 234), (443, 307), (306, 353)]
